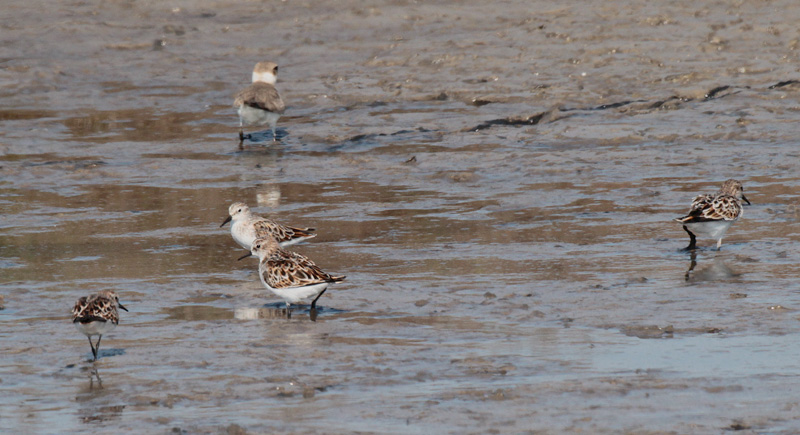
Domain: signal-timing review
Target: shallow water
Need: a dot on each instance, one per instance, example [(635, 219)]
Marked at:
[(497, 181)]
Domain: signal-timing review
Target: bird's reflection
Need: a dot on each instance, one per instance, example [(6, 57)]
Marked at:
[(250, 313), (95, 385), (279, 311), (95, 374), (102, 413), (94, 399), (716, 271), (269, 195)]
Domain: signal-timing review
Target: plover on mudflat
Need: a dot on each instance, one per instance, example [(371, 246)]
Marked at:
[(97, 315), (712, 215), (247, 227), (260, 102), (290, 275)]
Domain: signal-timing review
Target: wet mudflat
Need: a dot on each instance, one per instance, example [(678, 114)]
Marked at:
[(497, 181)]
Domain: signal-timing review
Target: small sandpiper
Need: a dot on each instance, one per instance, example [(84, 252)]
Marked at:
[(247, 227), (290, 275), (712, 215), (260, 103), (97, 315)]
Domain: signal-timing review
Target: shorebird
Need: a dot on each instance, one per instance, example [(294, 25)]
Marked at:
[(290, 275), (97, 315), (260, 102), (247, 227), (712, 215)]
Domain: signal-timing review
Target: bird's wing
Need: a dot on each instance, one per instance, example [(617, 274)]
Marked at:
[(261, 95), (93, 309), (707, 208), (290, 269), (267, 228)]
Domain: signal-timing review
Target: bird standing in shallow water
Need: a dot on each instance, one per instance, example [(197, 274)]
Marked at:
[(290, 275), (260, 102), (712, 215), (97, 315)]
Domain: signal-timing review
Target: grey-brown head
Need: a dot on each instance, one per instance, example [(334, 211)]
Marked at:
[(112, 296), (264, 247), (266, 72), (733, 188), (235, 211)]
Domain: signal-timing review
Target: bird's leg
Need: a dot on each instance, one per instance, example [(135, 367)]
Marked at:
[(241, 131), (97, 347), (719, 244), (314, 302), (288, 310), (94, 351), (692, 241), (313, 312)]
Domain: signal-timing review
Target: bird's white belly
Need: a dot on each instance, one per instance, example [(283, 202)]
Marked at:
[(95, 328), (253, 116), (294, 295), (713, 229)]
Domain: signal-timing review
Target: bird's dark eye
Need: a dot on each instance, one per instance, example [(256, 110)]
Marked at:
[(240, 210), (276, 70)]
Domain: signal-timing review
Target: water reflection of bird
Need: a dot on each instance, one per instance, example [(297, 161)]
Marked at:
[(252, 313), (94, 401), (716, 271), (712, 215), (94, 373), (268, 195), (97, 315)]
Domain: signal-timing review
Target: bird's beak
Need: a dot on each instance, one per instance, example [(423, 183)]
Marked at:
[(745, 200), (122, 306), (249, 254), (226, 221)]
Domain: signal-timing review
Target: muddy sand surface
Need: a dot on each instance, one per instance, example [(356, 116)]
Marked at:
[(496, 179)]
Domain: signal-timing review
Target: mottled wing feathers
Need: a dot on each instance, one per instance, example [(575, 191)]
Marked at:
[(710, 208), (267, 228), (296, 233), (95, 308), (701, 201), (286, 269), (261, 95), (78, 309), (723, 207)]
